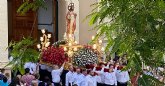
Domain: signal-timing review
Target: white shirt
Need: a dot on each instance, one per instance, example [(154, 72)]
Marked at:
[(101, 76), (148, 73), (78, 78), (31, 66), (110, 78), (122, 76), (69, 78), (90, 81), (27, 65), (83, 81), (98, 79), (48, 68), (56, 75), (43, 67), (115, 69)]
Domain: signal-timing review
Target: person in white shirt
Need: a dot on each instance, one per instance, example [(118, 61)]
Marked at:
[(32, 66), (109, 64), (83, 80), (100, 78), (91, 79), (77, 77), (56, 73), (70, 77), (122, 77), (110, 76)]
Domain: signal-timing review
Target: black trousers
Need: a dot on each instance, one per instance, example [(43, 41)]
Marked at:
[(56, 84), (70, 84), (109, 85), (100, 84), (121, 84)]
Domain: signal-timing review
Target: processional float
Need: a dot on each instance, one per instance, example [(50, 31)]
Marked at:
[(70, 48)]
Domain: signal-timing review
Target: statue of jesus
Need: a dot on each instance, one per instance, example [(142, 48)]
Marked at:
[(71, 20)]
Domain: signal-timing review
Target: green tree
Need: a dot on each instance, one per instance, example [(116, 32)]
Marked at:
[(31, 5), (22, 52), (135, 27)]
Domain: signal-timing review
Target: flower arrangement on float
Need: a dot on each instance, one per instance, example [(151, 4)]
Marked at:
[(85, 56), (53, 55)]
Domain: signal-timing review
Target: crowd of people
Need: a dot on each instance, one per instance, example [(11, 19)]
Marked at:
[(103, 74), (97, 75)]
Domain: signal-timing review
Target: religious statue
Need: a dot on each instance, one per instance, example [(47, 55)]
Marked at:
[(71, 20)]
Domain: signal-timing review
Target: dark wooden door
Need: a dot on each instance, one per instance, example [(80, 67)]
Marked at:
[(22, 25)]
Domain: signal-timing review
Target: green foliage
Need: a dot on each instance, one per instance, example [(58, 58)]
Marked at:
[(29, 5), (22, 52), (150, 81), (135, 27)]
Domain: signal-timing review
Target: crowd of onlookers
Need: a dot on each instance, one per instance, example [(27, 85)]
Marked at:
[(23, 80)]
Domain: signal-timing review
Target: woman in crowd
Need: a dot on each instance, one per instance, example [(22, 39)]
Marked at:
[(8, 78), (2, 71), (3, 82), (15, 82), (27, 77), (36, 81)]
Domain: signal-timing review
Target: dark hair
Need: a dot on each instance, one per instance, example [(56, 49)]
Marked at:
[(2, 70), (27, 70), (84, 70), (124, 64), (4, 79), (41, 84), (7, 75), (49, 83), (15, 81), (46, 79), (111, 65)]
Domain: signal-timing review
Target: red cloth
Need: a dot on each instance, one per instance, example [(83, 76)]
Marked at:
[(106, 70), (119, 68), (91, 66), (98, 68)]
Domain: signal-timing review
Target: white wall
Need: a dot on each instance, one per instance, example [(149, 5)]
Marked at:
[(62, 9), (85, 9), (3, 32), (46, 16)]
